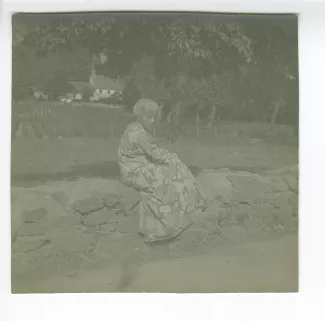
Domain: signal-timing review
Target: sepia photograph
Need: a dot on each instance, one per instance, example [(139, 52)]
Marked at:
[(154, 152)]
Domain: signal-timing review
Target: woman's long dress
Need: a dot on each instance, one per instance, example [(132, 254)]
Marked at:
[(170, 196)]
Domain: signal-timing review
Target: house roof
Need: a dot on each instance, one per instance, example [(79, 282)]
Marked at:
[(102, 82), (80, 85)]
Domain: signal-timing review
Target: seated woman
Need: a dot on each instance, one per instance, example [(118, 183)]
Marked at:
[(169, 195)]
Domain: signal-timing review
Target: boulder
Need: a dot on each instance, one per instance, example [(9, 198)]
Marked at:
[(249, 186), (88, 204), (39, 228), (99, 217), (216, 186), (71, 242), (65, 219), (29, 243), (32, 216)]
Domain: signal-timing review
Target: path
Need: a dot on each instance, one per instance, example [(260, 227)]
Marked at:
[(265, 266)]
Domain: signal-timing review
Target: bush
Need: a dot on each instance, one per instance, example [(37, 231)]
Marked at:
[(114, 99), (86, 93)]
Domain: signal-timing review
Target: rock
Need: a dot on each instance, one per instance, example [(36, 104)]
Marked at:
[(93, 232), (241, 212), (32, 216), (285, 219), (90, 230), (209, 218), (60, 197), (254, 224), (99, 217), (64, 220), (109, 228), (227, 217), (130, 197), (275, 201), (215, 186), (71, 242), (111, 200), (128, 224), (22, 263), (249, 186), (29, 243), (40, 228), (88, 204), (278, 184)]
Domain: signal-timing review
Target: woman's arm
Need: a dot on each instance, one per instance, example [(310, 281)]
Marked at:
[(150, 149)]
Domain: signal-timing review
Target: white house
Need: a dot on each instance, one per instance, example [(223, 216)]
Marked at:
[(105, 87)]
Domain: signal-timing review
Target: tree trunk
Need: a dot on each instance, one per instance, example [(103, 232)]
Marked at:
[(216, 127), (198, 126), (274, 114)]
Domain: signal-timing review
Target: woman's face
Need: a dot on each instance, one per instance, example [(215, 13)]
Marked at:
[(148, 121)]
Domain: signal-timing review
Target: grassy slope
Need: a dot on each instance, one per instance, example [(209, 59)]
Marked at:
[(71, 158)]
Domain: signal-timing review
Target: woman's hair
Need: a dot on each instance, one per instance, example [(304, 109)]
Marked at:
[(144, 107)]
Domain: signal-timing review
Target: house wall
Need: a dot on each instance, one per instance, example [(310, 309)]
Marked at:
[(103, 93)]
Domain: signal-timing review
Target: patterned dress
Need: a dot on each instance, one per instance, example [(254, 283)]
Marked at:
[(170, 196)]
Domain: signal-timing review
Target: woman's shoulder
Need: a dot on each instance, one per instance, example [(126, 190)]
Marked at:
[(134, 130)]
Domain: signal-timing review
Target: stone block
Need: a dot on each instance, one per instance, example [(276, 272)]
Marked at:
[(278, 184), (65, 220), (29, 243), (30, 229), (241, 212), (34, 215), (254, 224), (22, 263), (209, 218), (88, 204), (60, 197), (128, 224), (215, 186), (285, 219), (279, 201), (109, 228), (99, 217), (75, 241), (249, 186), (111, 200)]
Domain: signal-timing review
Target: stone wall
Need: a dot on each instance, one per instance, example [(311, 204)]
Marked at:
[(61, 225), (242, 204)]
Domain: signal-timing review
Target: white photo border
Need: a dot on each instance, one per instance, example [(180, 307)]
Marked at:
[(307, 304)]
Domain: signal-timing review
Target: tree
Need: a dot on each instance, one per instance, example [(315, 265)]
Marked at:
[(124, 38), (86, 93), (58, 86), (184, 46)]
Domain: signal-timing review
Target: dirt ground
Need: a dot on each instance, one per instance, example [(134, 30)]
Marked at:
[(261, 266)]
